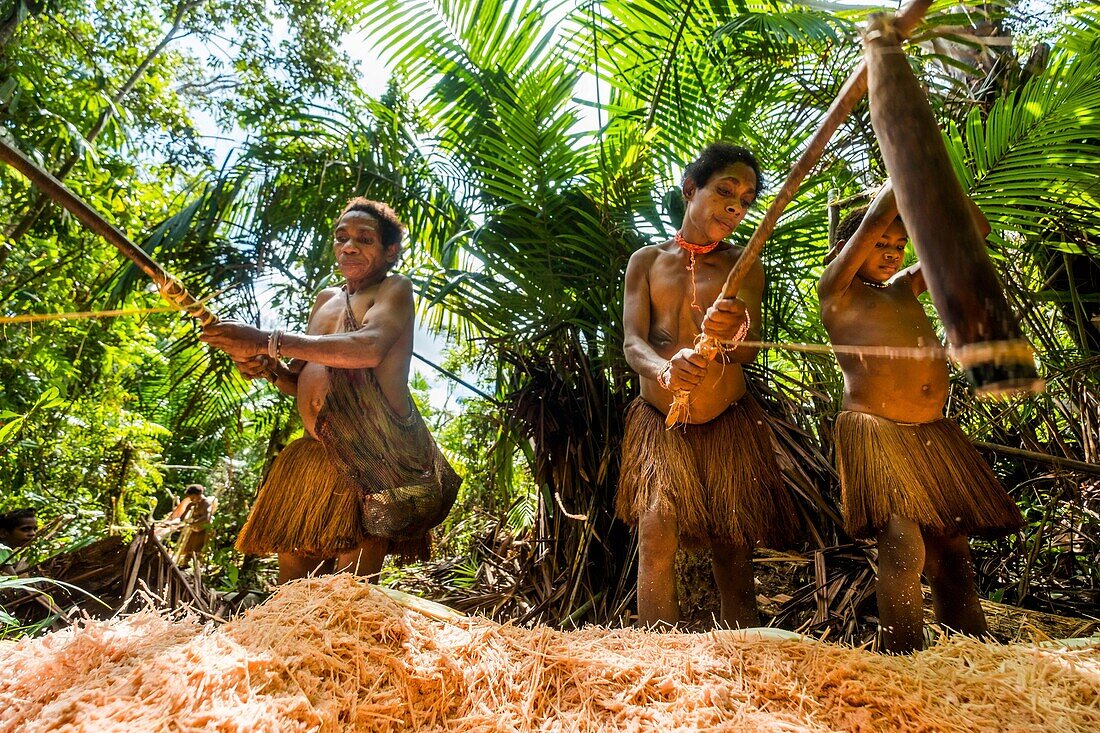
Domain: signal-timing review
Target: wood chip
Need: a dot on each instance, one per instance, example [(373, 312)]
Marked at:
[(334, 654)]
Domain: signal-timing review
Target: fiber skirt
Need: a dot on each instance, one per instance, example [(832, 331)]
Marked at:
[(192, 540), (929, 473), (719, 479), (308, 507)]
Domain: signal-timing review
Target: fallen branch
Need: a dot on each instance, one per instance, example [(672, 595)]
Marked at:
[(1036, 457)]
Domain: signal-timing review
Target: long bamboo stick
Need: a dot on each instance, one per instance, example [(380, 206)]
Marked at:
[(908, 17), (171, 288)]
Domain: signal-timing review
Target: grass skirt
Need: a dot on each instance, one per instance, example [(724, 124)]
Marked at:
[(306, 506), (929, 473), (719, 479), (193, 539)]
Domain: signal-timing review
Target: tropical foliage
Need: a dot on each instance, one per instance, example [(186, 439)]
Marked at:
[(98, 415), (532, 146)]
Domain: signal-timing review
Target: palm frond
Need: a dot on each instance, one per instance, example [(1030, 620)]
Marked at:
[(1035, 155)]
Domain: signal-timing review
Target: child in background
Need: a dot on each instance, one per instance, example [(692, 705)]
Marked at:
[(195, 512)]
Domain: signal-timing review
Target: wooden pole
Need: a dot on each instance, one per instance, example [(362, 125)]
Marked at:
[(983, 331), (171, 288), (834, 215), (853, 90), (908, 17)]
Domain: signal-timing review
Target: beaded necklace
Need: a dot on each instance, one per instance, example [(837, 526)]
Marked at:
[(692, 250), (873, 284)]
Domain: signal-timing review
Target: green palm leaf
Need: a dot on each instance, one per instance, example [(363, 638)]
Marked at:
[(1035, 155)]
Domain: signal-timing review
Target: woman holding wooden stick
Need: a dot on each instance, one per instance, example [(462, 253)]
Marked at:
[(714, 482), (366, 479)]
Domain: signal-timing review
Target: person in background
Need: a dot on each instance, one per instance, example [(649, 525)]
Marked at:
[(18, 529), (194, 512)]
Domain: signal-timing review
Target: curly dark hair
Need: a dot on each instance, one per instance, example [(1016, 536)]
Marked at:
[(717, 156), (11, 520), (848, 225), (851, 221), (846, 228), (390, 227)]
